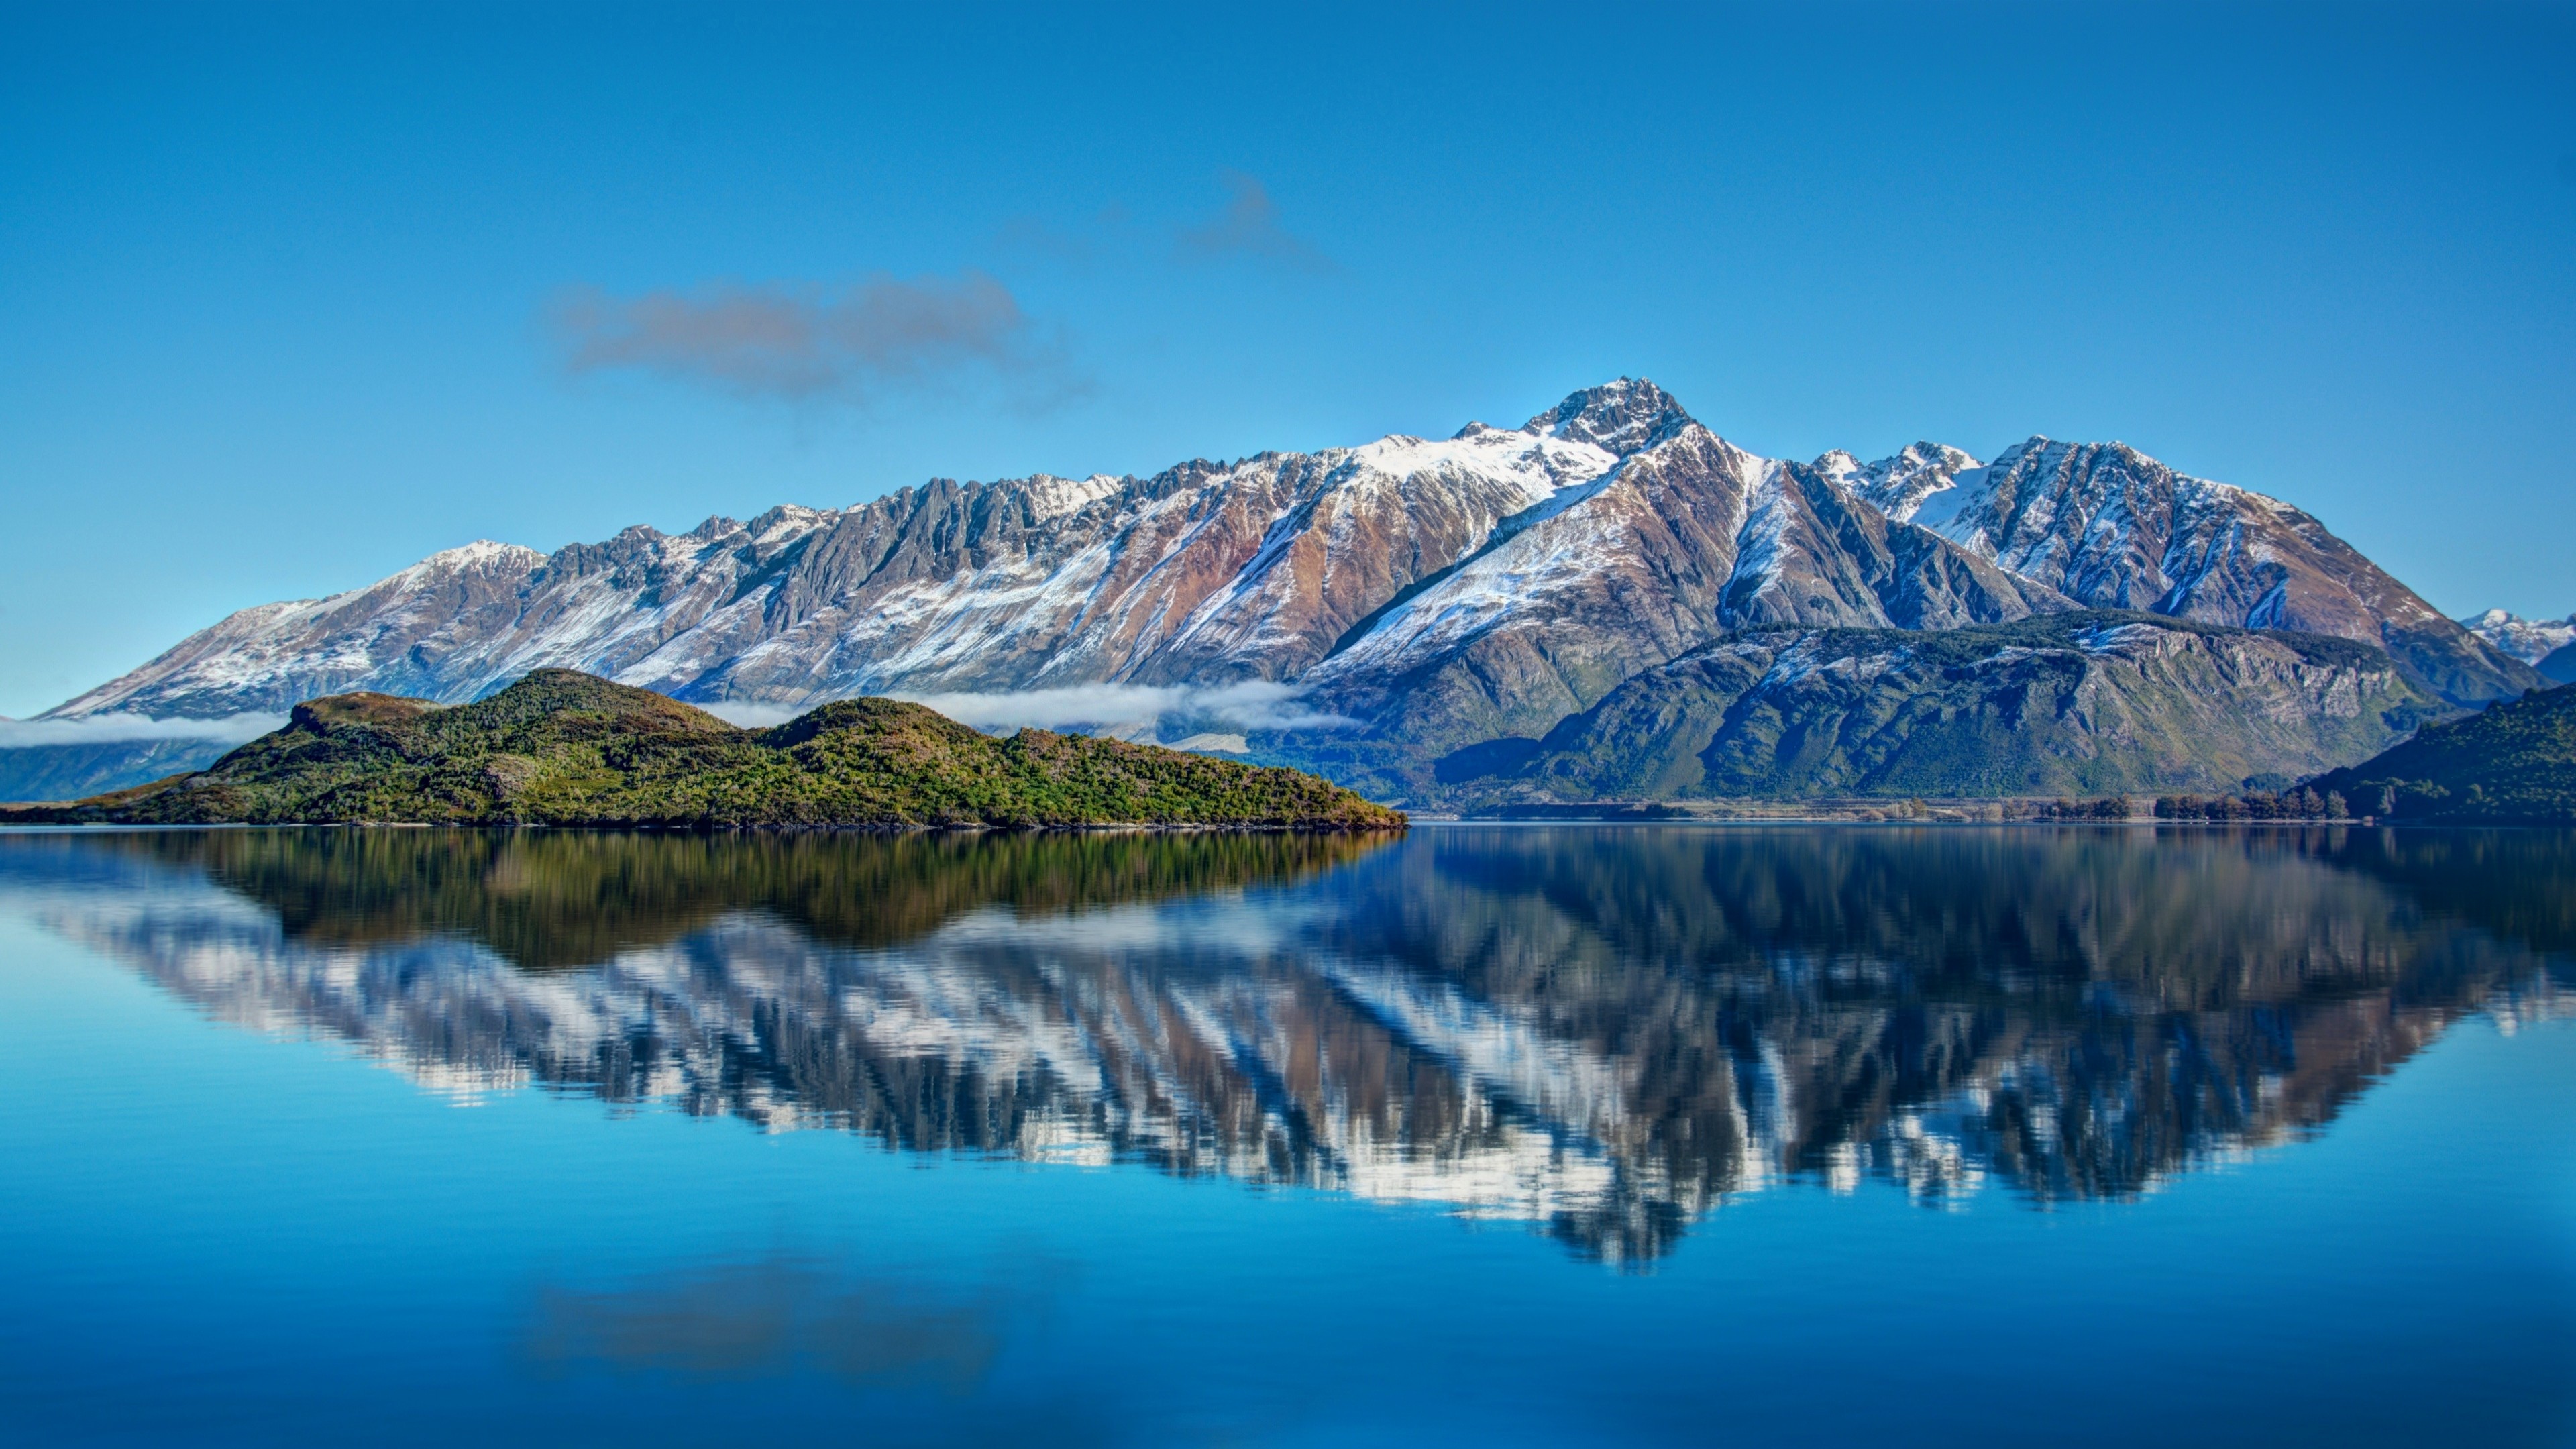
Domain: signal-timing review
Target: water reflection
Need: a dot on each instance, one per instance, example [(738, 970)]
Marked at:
[(1601, 1031)]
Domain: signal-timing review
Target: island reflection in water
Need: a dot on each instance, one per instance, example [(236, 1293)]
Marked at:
[(1601, 1031)]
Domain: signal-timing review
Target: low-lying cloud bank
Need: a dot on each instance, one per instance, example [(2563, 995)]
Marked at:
[(110, 729), (1254, 704), (743, 714)]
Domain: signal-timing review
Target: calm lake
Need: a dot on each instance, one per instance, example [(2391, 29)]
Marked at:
[(1485, 1135)]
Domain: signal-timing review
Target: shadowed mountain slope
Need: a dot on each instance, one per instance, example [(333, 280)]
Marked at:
[(2072, 704)]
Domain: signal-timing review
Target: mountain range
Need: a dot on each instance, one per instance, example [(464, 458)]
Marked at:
[(1423, 617), (2548, 645)]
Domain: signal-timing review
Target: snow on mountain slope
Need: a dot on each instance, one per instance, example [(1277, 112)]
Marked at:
[(266, 658), (1897, 486), (1209, 572), (2113, 528), (2529, 640), (2547, 645), (1686, 538)]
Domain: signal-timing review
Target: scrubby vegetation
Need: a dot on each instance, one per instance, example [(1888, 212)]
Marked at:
[(2110, 807), (2256, 805), (2515, 764), (564, 748)]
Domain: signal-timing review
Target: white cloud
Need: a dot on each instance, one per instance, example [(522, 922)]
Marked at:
[(101, 729), (1088, 704), (1264, 704), (744, 714), (1254, 704), (1251, 705)]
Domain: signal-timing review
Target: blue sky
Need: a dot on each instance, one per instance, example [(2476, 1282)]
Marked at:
[(291, 297)]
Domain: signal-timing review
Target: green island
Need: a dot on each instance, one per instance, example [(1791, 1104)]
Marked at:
[(564, 748)]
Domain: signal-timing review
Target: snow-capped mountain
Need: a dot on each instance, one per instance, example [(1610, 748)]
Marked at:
[(1684, 539), (1612, 527), (1897, 486), (1207, 572), (2112, 528), (1436, 592), (2548, 645)]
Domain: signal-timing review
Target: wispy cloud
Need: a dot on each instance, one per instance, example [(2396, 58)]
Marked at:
[(1249, 226), (1254, 704), (802, 341), (105, 729)]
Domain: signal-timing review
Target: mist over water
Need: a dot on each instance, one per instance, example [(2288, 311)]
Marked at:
[(1536, 1050)]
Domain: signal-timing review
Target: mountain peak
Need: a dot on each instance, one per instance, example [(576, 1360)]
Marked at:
[(480, 552), (2533, 641), (1898, 486), (1622, 417)]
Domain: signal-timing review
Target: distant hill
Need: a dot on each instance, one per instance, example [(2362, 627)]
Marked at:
[(2514, 764), (564, 748)]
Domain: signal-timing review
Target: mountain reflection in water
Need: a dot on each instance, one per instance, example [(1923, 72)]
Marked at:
[(1604, 1031)]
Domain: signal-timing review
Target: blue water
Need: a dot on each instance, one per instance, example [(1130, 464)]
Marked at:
[(1622, 1135)]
